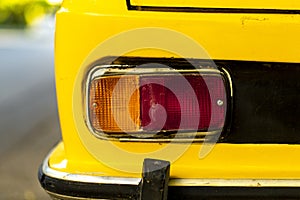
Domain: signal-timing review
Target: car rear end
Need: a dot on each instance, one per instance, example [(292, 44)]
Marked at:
[(178, 100)]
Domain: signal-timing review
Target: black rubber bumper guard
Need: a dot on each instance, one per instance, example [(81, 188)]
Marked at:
[(155, 179)]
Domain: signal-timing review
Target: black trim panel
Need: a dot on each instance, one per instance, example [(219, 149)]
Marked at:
[(266, 105), (209, 10)]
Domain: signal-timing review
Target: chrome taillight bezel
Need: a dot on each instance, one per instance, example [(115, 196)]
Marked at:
[(182, 136)]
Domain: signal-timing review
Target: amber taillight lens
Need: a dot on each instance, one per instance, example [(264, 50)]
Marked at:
[(106, 104), (163, 101)]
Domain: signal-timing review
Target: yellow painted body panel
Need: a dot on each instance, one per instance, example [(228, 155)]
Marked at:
[(266, 4), (83, 25)]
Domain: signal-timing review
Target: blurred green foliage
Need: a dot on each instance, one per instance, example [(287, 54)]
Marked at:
[(22, 13)]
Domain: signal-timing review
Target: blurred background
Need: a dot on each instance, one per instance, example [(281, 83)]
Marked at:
[(29, 125)]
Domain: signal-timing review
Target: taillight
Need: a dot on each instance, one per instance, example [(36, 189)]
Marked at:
[(154, 103)]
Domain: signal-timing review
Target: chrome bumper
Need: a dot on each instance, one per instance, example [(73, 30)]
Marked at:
[(62, 185)]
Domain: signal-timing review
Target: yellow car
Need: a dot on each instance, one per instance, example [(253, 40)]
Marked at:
[(179, 99)]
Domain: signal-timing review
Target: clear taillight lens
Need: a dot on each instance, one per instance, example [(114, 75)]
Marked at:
[(160, 100)]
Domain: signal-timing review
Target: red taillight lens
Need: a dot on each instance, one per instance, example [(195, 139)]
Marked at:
[(162, 101), (205, 113)]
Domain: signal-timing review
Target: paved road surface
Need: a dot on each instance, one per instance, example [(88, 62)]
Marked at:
[(28, 117)]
